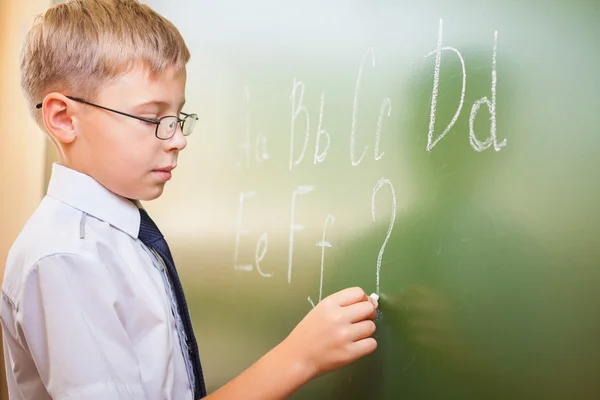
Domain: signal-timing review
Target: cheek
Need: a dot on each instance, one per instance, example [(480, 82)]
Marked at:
[(100, 135), (123, 157), (133, 158), (126, 146)]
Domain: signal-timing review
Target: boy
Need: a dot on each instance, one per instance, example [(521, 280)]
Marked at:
[(92, 307)]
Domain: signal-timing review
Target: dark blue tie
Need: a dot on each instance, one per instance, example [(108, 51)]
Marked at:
[(151, 236)]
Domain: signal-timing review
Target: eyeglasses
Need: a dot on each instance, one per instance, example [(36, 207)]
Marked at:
[(165, 126)]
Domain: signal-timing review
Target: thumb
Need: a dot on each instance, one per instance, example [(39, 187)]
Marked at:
[(349, 296)]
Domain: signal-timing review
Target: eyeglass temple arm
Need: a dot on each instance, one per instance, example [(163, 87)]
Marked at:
[(150, 121)]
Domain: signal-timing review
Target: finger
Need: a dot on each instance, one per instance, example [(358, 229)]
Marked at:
[(374, 300), (362, 347), (360, 311), (349, 296), (362, 330)]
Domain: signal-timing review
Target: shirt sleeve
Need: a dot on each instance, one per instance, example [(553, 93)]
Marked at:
[(68, 316)]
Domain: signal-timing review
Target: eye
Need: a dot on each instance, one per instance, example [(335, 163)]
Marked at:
[(172, 125), (152, 117)]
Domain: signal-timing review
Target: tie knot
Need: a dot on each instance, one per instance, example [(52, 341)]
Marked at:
[(149, 232)]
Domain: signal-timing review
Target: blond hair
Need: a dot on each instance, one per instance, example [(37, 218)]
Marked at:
[(79, 45)]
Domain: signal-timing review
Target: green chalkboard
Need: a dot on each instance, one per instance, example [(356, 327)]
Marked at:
[(443, 154)]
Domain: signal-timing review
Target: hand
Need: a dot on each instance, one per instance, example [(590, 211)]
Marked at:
[(335, 333)]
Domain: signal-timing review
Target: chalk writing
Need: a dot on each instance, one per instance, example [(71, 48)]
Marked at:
[(476, 144), (259, 255), (239, 232), (379, 185), (353, 159), (322, 244), (386, 105), (260, 149), (293, 226), (320, 156), (298, 108), (436, 83)]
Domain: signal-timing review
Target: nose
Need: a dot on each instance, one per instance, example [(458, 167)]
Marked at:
[(177, 141)]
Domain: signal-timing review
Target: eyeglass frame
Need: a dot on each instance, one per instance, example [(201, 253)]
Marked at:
[(156, 122)]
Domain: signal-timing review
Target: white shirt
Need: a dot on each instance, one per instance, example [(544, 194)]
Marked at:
[(85, 311)]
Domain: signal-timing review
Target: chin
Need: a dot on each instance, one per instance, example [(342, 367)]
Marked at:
[(142, 191), (147, 194), (152, 194)]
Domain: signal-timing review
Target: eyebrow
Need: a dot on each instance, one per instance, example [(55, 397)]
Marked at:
[(161, 104)]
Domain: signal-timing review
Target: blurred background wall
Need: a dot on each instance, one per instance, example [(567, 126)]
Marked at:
[(22, 143)]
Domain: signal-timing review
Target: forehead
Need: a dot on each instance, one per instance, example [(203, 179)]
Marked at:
[(138, 84)]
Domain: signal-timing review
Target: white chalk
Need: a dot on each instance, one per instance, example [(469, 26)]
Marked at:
[(374, 296)]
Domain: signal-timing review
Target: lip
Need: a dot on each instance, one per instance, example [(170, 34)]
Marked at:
[(166, 169), (164, 174)]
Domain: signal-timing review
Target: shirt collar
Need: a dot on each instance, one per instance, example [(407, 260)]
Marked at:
[(86, 194)]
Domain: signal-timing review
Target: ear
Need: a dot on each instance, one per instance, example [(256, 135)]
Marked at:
[(58, 115)]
